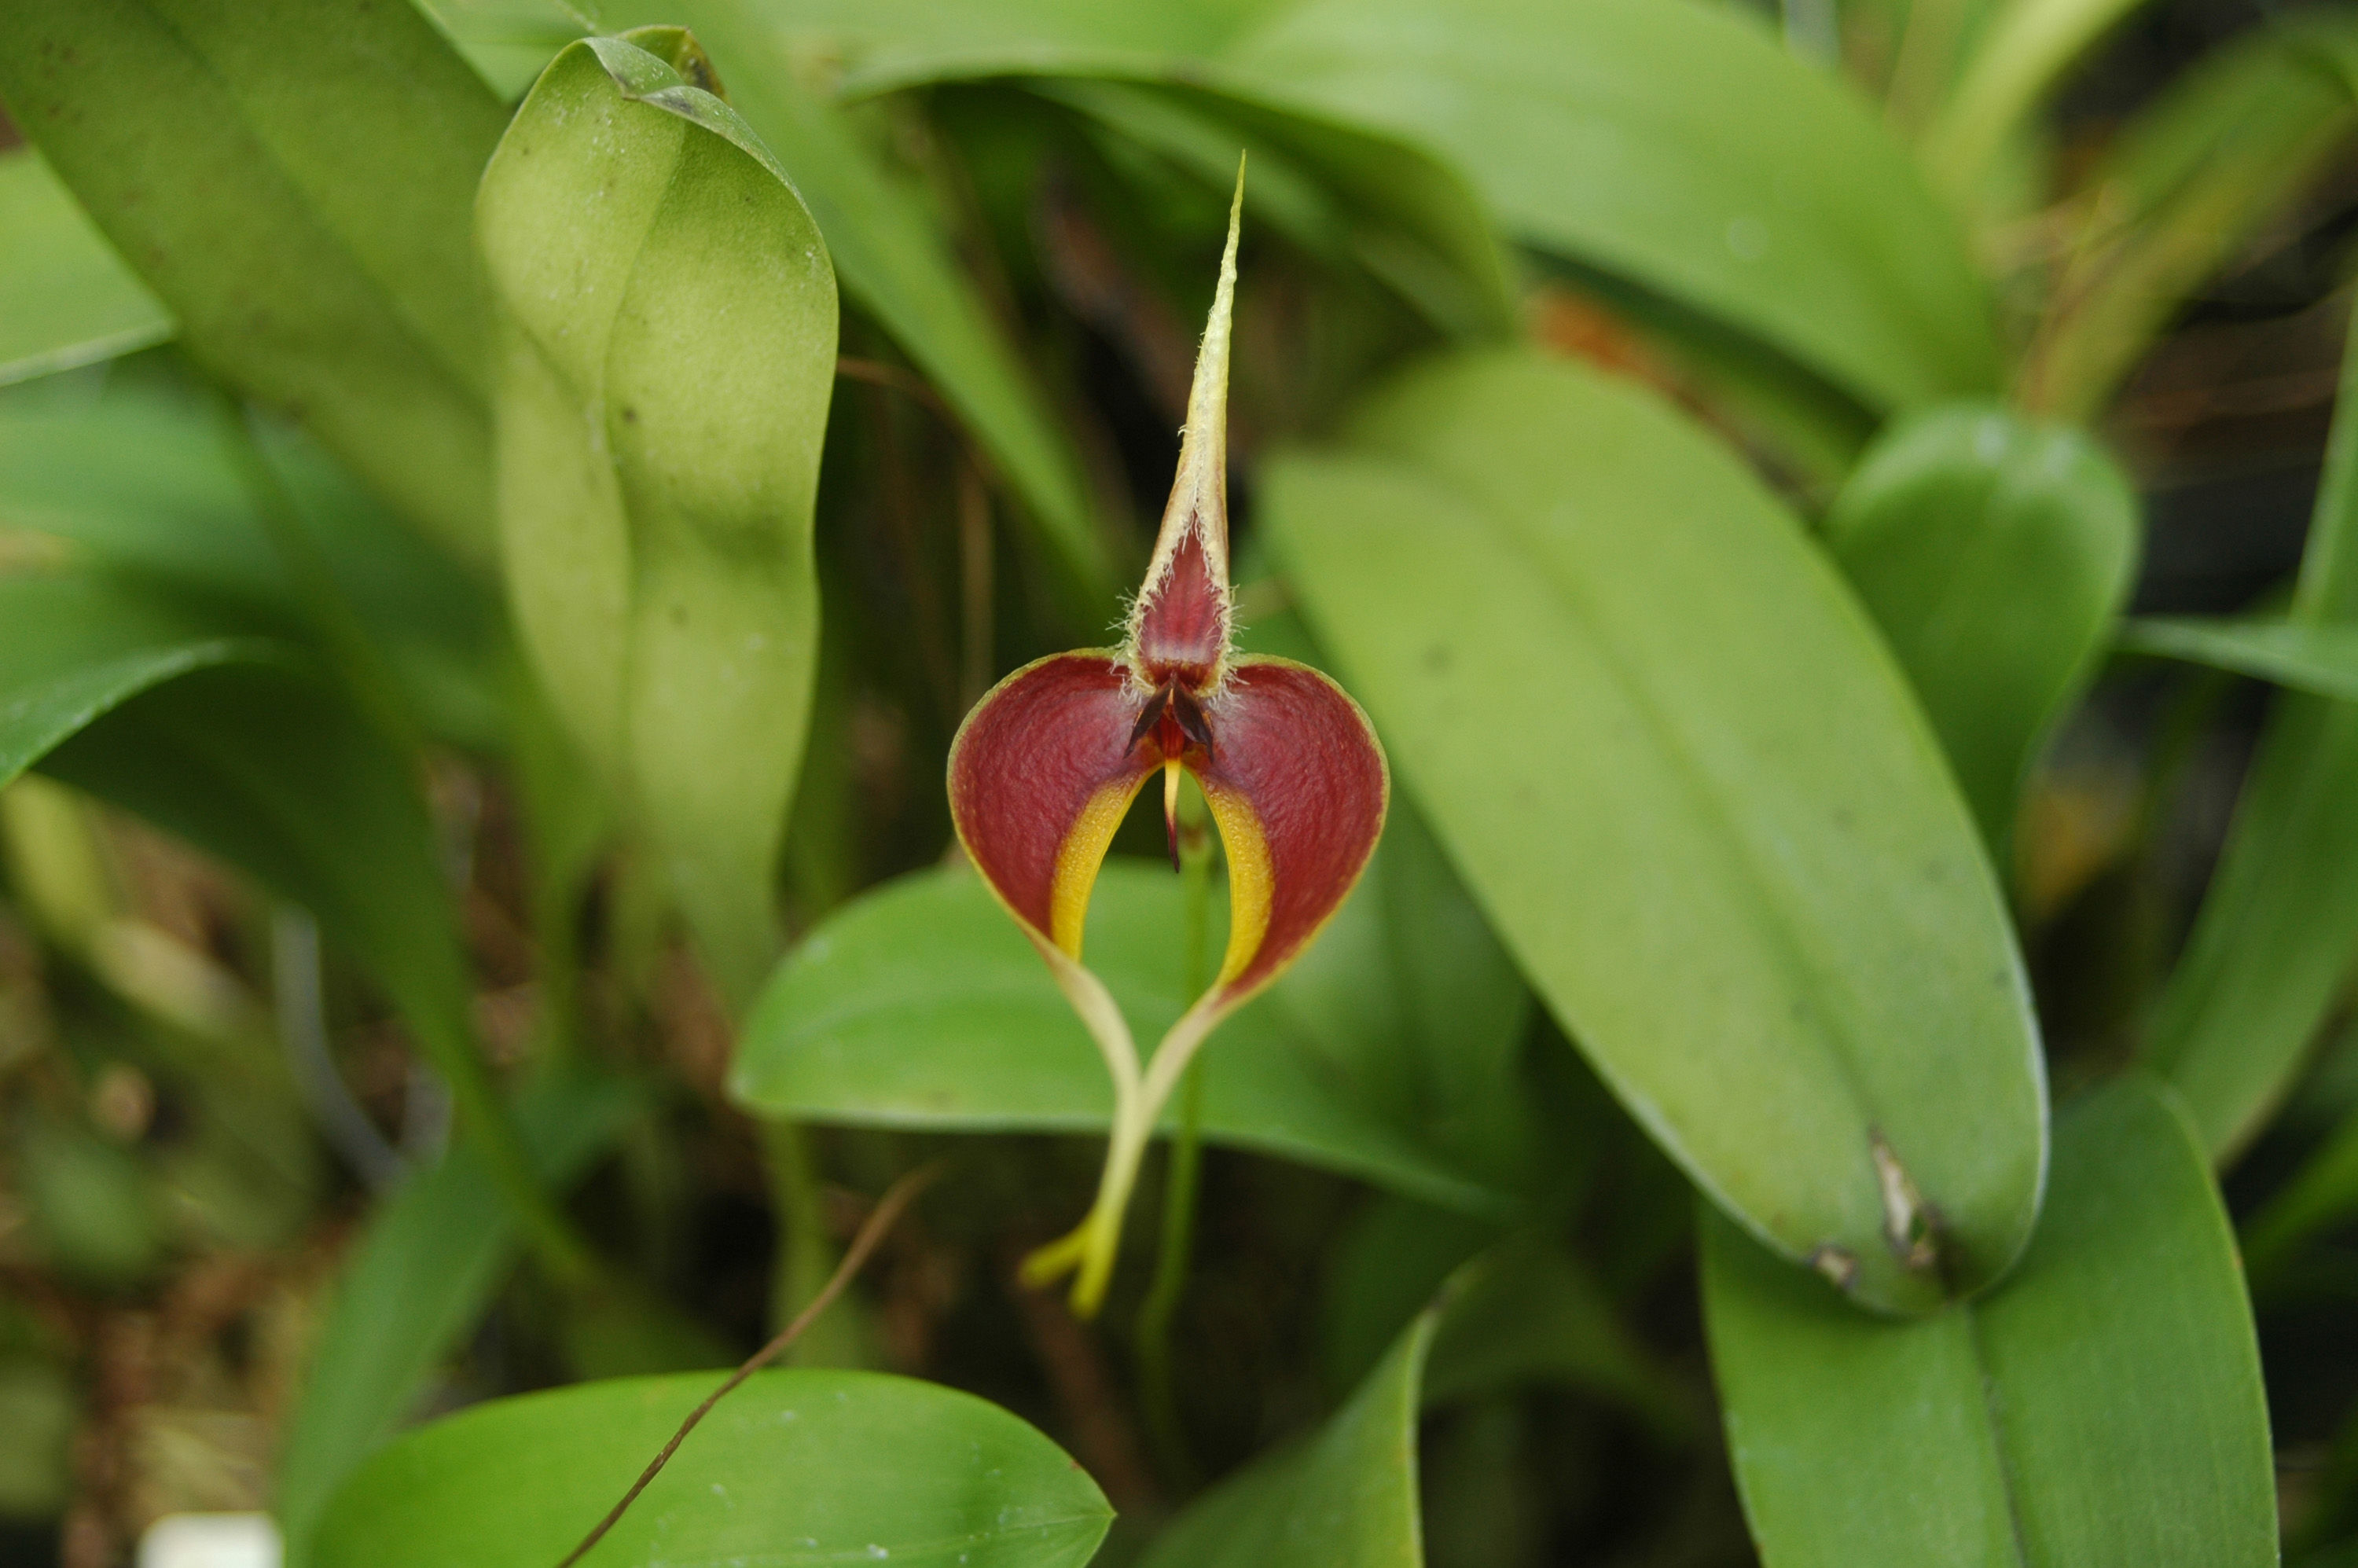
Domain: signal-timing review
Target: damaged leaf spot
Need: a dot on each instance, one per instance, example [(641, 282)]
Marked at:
[(1909, 1223)]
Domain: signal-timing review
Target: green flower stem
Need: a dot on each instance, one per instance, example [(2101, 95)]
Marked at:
[(1156, 1394)]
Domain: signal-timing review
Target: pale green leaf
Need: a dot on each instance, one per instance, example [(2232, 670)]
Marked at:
[(66, 298), (896, 265), (1996, 554), (1671, 759), (293, 183), (2100, 1408), (793, 1470), (662, 400)]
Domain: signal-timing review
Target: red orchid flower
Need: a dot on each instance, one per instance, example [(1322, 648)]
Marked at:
[(1048, 765)]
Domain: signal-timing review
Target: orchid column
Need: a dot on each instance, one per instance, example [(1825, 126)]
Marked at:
[(1048, 765)]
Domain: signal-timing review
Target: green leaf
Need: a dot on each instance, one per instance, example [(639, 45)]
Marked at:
[(2280, 920), (2299, 655), (1667, 754), (2219, 153), (418, 1281), (896, 265), (142, 483), (509, 42), (1347, 197), (1343, 1497), (2023, 51), (662, 400), (1758, 192), (1996, 554), (79, 645), (223, 740), (293, 183), (1531, 1314), (796, 1467), (921, 1005), (66, 298), (2102, 1407)]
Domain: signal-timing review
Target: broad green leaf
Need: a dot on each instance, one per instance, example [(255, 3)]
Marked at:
[(1672, 761), (2219, 154), (143, 482), (895, 265), (1995, 555), (2102, 1407), (1758, 191), (921, 1005), (418, 1279), (793, 1468), (66, 298), (1343, 1497), (2280, 920), (293, 183), (663, 399), (2297, 655)]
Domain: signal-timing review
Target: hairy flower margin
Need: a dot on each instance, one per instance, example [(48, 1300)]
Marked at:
[(1047, 765)]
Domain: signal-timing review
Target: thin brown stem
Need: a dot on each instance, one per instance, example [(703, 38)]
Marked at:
[(876, 373), (888, 1209)]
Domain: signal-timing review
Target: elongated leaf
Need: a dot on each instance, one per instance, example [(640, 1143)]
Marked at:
[(662, 400), (143, 483), (794, 1467), (79, 645), (1995, 555), (921, 1005), (896, 265), (180, 717), (66, 298), (1343, 1497), (418, 1281), (2280, 920), (2297, 655), (293, 183), (2024, 50), (2102, 1407), (1682, 778), (2184, 187), (1346, 196), (1757, 192)]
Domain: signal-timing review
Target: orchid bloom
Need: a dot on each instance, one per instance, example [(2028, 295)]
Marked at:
[(1047, 766)]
